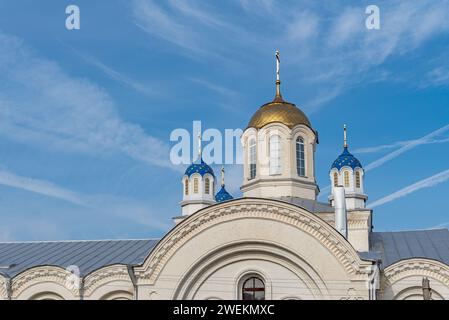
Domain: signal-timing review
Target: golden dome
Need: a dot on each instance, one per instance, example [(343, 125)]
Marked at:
[(278, 111)]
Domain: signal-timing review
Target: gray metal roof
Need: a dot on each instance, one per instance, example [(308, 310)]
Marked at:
[(310, 205), (399, 245), (88, 256)]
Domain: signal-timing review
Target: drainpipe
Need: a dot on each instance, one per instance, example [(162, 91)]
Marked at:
[(374, 283), (8, 281), (8, 287), (341, 223), (81, 289), (133, 278)]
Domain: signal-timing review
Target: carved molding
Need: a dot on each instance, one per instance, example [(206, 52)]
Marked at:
[(104, 275), (358, 224), (416, 267), (2, 288), (252, 208), (41, 274)]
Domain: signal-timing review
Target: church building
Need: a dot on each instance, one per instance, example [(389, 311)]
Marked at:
[(275, 242)]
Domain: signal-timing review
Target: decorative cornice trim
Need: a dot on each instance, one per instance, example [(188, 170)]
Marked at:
[(252, 208), (288, 181), (40, 274), (104, 275), (3, 294), (416, 266)]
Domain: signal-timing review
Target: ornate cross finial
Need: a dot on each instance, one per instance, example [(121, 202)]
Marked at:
[(345, 136), (278, 79), (222, 176), (278, 62), (199, 147)]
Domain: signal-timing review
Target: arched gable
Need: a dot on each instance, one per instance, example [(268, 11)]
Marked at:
[(51, 280), (229, 220), (403, 279), (104, 281)]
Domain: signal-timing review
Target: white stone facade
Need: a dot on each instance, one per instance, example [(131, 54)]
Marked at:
[(209, 254)]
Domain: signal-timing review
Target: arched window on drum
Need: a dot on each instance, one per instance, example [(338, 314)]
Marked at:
[(207, 186), (357, 179), (335, 179), (275, 155), (252, 159), (300, 158)]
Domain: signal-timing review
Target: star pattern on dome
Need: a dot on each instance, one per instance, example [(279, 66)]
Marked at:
[(223, 195), (346, 159), (199, 167)]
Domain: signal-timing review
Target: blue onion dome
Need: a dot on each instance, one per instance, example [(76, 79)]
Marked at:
[(346, 159), (223, 195), (199, 167)]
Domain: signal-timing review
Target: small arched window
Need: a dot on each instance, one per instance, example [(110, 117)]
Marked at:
[(357, 179), (335, 179), (346, 177), (186, 187), (253, 289), (275, 154), (195, 185), (252, 159), (206, 186), (300, 158)]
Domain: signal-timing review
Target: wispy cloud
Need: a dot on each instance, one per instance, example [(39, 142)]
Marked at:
[(230, 100), (438, 76), (56, 110), (304, 27), (407, 147), (321, 99), (100, 204), (325, 46), (197, 28), (41, 187), (346, 27), (117, 76), (256, 5), (222, 90), (425, 183), (403, 146), (394, 145)]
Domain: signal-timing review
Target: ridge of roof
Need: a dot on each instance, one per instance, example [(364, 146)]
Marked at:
[(84, 240)]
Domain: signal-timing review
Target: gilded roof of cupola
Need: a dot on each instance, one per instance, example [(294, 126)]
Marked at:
[(278, 110)]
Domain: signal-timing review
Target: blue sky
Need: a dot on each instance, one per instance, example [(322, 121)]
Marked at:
[(86, 115)]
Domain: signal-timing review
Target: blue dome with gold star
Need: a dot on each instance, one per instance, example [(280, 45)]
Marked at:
[(199, 167), (223, 195), (346, 159)]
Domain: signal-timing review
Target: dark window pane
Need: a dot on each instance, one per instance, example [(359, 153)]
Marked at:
[(258, 283), (259, 295), (253, 289)]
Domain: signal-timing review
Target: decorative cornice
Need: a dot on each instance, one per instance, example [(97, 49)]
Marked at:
[(41, 274), (103, 276), (3, 294), (199, 201), (416, 267), (358, 224), (251, 208), (287, 181)]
